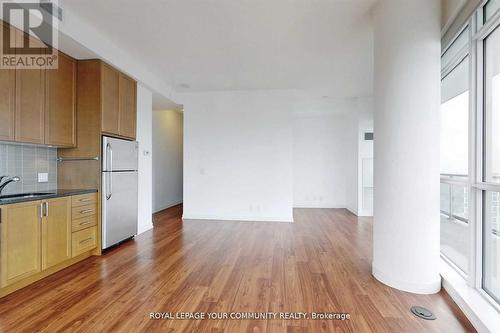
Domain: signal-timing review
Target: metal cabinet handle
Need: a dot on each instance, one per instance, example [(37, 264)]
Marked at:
[(86, 222), (86, 240), (84, 199), (44, 209)]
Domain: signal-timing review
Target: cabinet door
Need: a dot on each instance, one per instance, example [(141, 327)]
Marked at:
[(20, 242), (7, 94), (30, 102), (128, 106), (56, 232), (60, 109), (110, 78)]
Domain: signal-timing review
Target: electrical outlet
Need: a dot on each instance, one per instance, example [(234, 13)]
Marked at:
[(43, 177)]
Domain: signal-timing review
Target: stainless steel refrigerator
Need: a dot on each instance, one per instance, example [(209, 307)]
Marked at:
[(119, 190)]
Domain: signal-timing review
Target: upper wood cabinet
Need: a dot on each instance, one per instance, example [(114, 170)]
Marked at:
[(118, 102), (56, 231), (7, 104), (110, 85), (30, 106), (38, 105), (20, 242), (60, 107), (30, 99), (7, 96), (128, 107)]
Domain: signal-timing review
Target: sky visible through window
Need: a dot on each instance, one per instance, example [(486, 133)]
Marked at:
[(455, 135)]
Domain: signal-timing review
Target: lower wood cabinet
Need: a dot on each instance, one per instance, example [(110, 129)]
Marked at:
[(84, 211), (41, 237), (20, 242), (84, 240), (56, 231)]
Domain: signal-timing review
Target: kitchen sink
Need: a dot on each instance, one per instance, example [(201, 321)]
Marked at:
[(25, 195)]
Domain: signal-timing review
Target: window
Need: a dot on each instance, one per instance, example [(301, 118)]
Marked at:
[(455, 229), (455, 186), (490, 9), (491, 165), (491, 260), (455, 121), (492, 107), (470, 152)]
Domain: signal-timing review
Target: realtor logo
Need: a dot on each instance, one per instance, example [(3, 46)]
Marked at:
[(36, 48)]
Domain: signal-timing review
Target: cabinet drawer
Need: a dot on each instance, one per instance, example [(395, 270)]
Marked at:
[(83, 241), (84, 199), (83, 223), (84, 211)]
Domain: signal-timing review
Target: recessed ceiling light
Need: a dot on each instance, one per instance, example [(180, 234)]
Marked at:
[(184, 85)]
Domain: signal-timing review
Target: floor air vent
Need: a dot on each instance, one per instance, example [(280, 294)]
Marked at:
[(422, 313)]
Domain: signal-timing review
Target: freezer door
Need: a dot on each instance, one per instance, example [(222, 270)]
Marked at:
[(119, 207), (119, 155)]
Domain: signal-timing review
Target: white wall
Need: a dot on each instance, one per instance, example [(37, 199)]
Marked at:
[(320, 160), (352, 175), (360, 121), (144, 137), (167, 159), (238, 155)]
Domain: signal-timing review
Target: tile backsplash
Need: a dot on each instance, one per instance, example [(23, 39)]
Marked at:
[(26, 162)]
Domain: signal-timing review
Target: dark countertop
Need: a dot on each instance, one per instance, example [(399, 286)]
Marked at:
[(47, 195)]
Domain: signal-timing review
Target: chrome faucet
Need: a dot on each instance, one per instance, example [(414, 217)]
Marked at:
[(7, 181)]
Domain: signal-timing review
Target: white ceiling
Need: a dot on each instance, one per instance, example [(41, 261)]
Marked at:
[(324, 47)]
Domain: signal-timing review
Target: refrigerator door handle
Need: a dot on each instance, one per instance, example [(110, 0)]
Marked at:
[(109, 158)]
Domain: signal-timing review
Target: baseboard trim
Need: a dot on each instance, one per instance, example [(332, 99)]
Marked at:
[(352, 210), (144, 228), (411, 287), (320, 207), (186, 217), (168, 206)]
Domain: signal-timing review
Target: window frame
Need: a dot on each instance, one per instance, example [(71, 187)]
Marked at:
[(478, 32), (463, 180)]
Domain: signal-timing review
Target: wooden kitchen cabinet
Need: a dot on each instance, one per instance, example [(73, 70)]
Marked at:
[(38, 105), (110, 83), (84, 240), (118, 103), (41, 237), (7, 97), (56, 231), (60, 107), (7, 104), (20, 251), (29, 101), (127, 106), (29, 106)]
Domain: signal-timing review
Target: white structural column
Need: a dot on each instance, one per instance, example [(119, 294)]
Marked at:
[(406, 147)]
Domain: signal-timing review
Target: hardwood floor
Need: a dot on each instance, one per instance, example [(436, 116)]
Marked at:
[(320, 263)]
